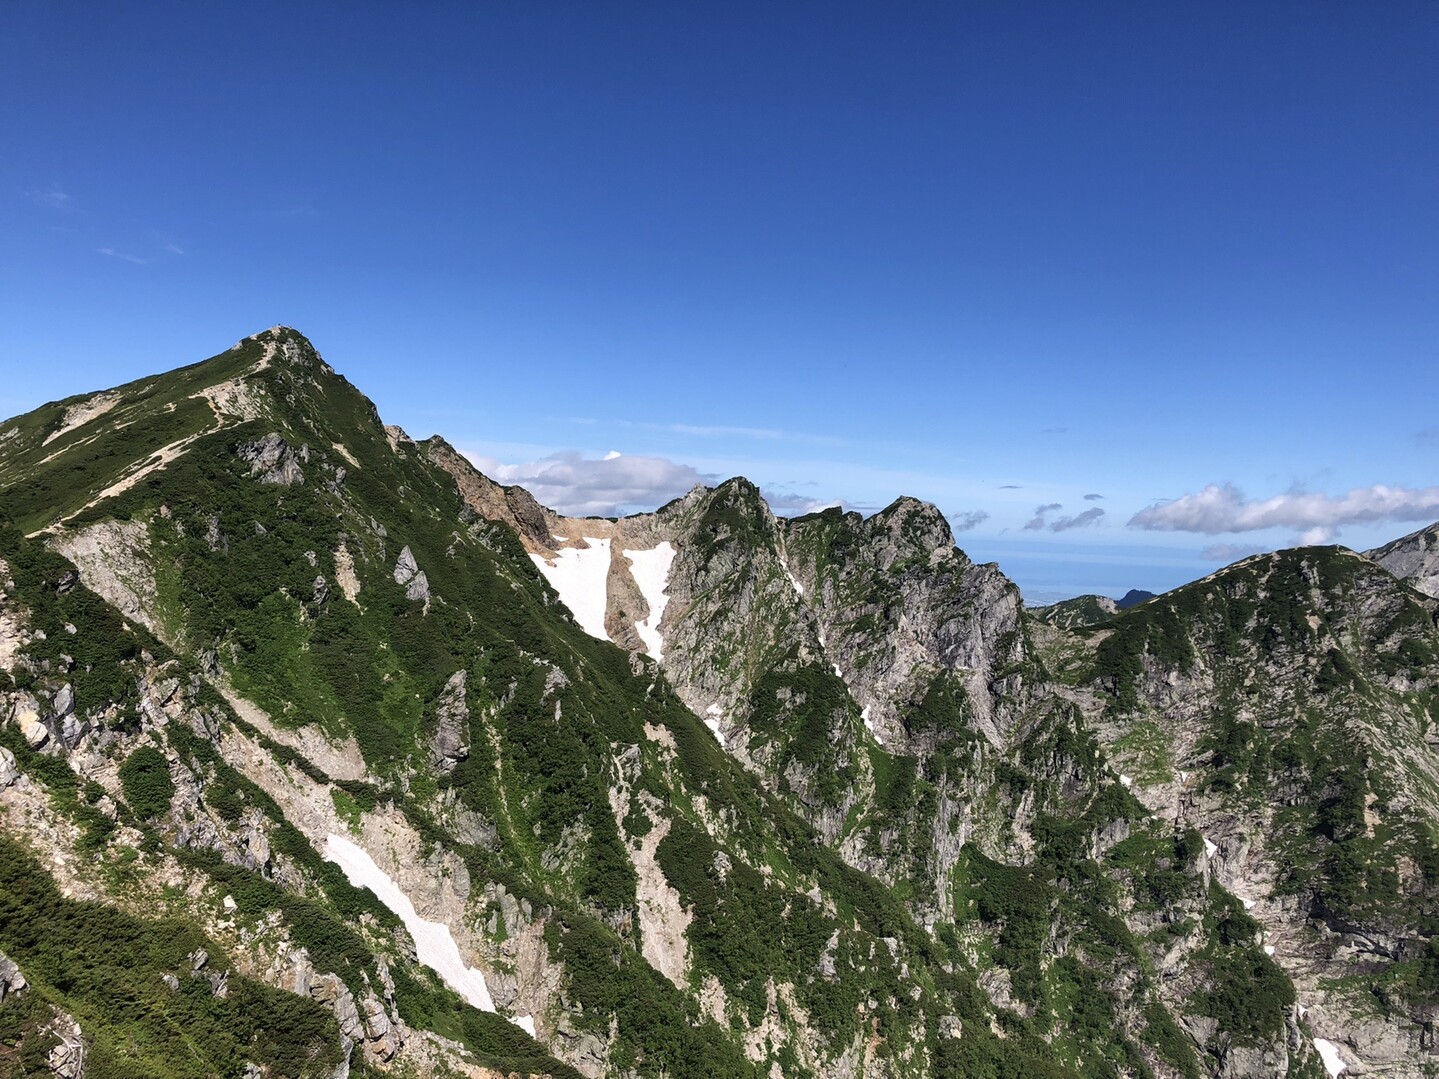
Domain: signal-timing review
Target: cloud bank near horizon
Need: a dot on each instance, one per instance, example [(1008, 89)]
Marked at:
[(1220, 508)]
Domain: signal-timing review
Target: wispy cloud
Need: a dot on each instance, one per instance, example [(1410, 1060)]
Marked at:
[(110, 252), (964, 522), (1010, 487), (1079, 520), (597, 487), (52, 197), (718, 431), (1223, 508), (1039, 512), (1092, 498), (1061, 524)]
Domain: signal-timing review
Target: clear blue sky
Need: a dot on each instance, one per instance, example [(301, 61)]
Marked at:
[(998, 256)]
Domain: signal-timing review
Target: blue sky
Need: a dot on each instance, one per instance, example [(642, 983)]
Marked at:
[(1000, 257)]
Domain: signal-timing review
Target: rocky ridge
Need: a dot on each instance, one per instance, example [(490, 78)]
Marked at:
[(864, 816)]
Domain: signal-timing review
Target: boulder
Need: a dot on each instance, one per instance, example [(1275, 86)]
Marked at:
[(11, 980)]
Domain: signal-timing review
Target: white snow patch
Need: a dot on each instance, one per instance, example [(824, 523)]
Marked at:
[(838, 673), (869, 724), (1126, 781), (798, 588), (562, 539), (1269, 949), (525, 1023), (651, 570), (1329, 1053), (1210, 847), (1248, 903), (579, 575), (714, 712), (434, 945)]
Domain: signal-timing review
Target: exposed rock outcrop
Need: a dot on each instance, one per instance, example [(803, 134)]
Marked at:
[(273, 460), (451, 741), (409, 574)]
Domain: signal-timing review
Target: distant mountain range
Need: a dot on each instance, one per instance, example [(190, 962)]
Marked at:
[(323, 754)]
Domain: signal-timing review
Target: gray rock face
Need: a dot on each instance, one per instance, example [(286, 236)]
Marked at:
[(64, 702), (450, 743), (72, 728), (383, 1038), (272, 460), (1413, 558), (9, 770), (11, 980), (409, 574), (899, 604)]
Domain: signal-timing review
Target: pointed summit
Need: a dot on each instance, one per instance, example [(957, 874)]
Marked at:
[(69, 457)]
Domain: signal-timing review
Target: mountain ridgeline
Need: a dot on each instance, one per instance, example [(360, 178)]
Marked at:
[(322, 754)]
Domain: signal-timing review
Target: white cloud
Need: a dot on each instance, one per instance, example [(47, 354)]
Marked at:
[(611, 486), (1224, 508), (112, 253)]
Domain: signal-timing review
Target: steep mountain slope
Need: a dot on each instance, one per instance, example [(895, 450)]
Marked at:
[(1284, 708), (887, 689), (440, 781), (1413, 558)]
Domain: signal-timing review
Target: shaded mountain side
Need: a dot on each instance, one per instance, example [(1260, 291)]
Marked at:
[(1133, 598), (859, 820)]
